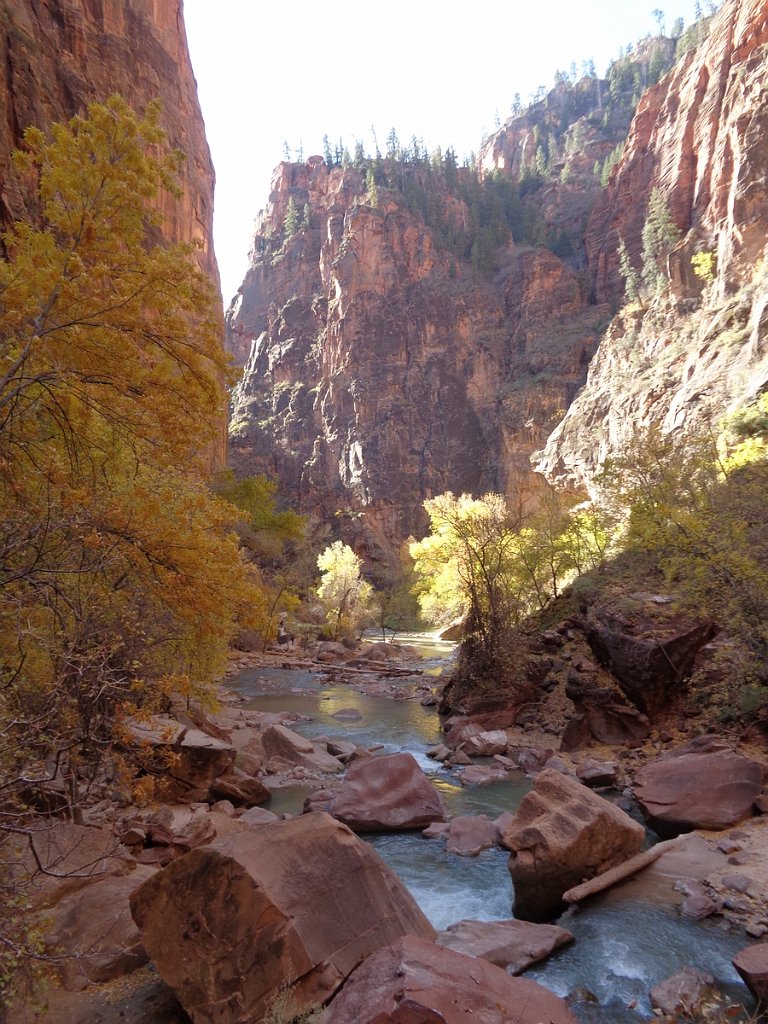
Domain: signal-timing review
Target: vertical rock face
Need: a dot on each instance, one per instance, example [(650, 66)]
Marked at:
[(378, 372), (700, 137), (60, 55)]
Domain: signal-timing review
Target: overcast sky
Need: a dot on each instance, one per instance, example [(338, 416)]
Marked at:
[(270, 73)]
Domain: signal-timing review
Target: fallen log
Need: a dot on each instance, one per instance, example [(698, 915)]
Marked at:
[(619, 873), (376, 669)]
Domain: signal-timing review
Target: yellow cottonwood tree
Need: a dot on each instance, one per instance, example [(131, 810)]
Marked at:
[(120, 577)]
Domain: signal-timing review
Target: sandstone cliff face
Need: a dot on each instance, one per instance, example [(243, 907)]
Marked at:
[(59, 55), (378, 372), (700, 136)]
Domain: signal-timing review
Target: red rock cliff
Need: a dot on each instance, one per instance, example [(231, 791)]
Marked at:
[(59, 55), (701, 136), (379, 371)]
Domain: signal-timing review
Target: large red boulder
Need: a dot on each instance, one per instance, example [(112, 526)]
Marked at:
[(292, 906), (752, 965), (706, 785), (387, 794), (417, 982), (562, 834)]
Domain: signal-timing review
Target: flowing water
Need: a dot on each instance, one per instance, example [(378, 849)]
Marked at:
[(624, 945)]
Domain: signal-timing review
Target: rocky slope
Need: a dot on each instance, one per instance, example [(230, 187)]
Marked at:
[(698, 136), (62, 54)]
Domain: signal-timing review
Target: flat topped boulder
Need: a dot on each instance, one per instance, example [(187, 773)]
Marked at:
[(513, 945), (387, 794), (699, 787), (562, 834), (293, 904), (417, 982)]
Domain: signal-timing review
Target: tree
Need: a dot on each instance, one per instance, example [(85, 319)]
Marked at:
[(344, 595), (628, 272), (120, 577), (468, 568), (292, 221), (660, 235)]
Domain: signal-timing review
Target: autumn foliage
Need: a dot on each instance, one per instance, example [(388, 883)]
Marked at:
[(120, 576)]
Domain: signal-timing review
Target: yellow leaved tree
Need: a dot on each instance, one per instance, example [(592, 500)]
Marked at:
[(120, 576)]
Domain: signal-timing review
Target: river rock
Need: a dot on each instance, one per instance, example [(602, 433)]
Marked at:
[(196, 758), (480, 774), (281, 749), (293, 904), (468, 834), (389, 793), (513, 945), (486, 744), (752, 964), (92, 931), (561, 835), (711, 789), (682, 991), (241, 788), (418, 982)]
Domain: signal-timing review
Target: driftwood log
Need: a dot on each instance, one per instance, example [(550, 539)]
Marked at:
[(608, 878)]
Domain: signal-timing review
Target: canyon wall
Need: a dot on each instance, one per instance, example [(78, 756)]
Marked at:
[(701, 137), (385, 362), (59, 55)]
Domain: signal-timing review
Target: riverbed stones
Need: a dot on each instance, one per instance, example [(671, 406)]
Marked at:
[(683, 990), (561, 835), (293, 904), (418, 982), (389, 793), (752, 964), (469, 834), (698, 787), (513, 945)]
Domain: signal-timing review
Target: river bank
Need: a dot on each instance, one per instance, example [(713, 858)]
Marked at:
[(378, 706)]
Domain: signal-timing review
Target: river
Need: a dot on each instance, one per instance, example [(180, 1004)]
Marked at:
[(624, 945)]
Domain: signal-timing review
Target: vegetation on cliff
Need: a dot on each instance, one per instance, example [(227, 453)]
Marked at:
[(121, 578)]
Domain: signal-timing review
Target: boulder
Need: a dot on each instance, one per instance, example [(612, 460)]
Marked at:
[(389, 793), (561, 835), (752, 964), (597, 773), (196, 758), (240, 788), (294, 904), (468, 834), (682, 991), (648, 655), (698, 787), (282, 748), (72, 856), (480, 774), (486, 744), (92, 931), (418, 982), (513, 945), (180, 827), (258, 816)]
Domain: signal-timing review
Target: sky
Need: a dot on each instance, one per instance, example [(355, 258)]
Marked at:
[(272, 73)]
